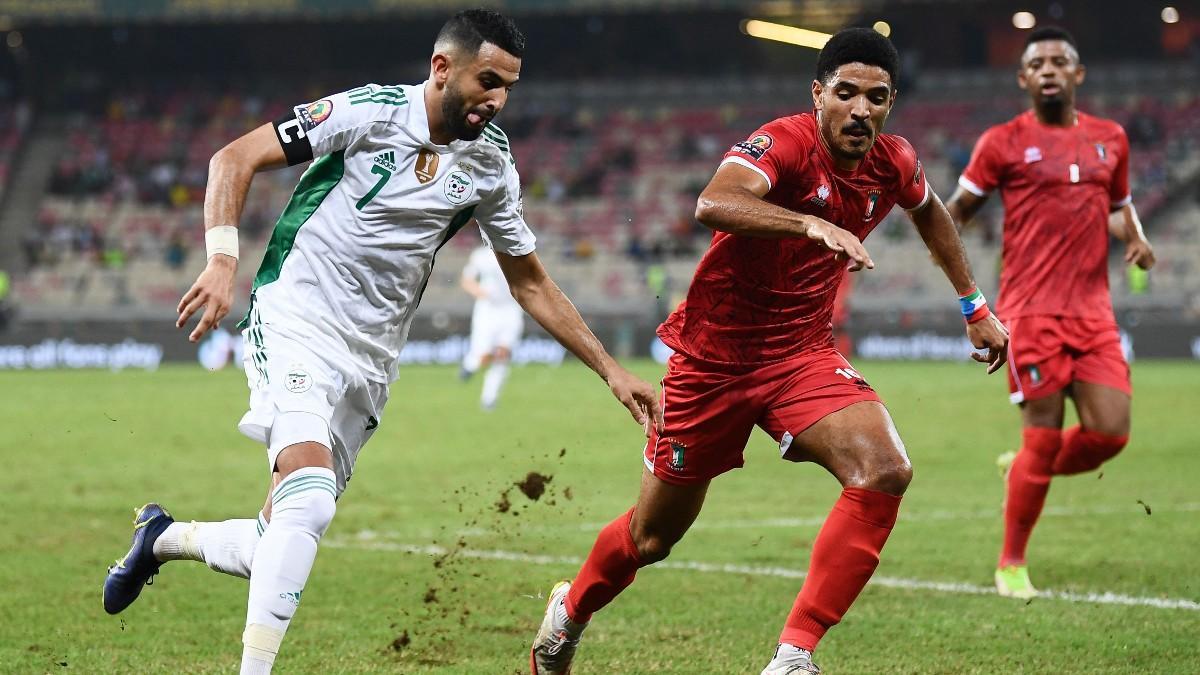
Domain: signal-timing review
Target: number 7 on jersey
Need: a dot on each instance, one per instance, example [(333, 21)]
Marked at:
[(384, 176)]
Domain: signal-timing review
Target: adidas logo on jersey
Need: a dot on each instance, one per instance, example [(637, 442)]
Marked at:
[(387, 160)]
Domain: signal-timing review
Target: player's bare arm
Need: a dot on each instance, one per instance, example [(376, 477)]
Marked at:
[(229, 174), (1125, 225), (733, 202), (549, 306), (471, 285), (937, 229), (963, 206)]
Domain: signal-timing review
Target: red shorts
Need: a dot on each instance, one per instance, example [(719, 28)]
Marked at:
[(711, 409), (1047, 353)]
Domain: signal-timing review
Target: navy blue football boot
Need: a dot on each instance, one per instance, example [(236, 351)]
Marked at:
[(130, 574)]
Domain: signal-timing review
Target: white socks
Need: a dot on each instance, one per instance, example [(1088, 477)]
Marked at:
[(492, 381), (226, 547), (302, 507), (472, 361)]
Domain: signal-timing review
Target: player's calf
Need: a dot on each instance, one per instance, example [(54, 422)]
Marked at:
[(302, 508), (1085, 450)]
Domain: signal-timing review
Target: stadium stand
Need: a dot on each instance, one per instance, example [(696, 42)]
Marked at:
[(609, 188), (15, 118)]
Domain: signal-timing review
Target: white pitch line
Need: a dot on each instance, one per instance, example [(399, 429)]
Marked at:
[(917, 517), (370, 542)]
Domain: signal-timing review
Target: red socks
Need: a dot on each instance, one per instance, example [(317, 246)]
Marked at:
[(844, 557), (1028, 483), (608, 570), (1084, 450)]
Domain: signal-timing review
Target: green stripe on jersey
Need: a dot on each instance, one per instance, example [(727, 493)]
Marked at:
[(496, 137), (457, 223), (382, 95), (497, 131), (316, 183)]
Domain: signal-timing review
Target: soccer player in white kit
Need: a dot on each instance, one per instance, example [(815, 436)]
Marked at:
[(397, 171), (496, 323)]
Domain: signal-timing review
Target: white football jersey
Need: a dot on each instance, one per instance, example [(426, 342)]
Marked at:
[(353, 250), (483, 268)]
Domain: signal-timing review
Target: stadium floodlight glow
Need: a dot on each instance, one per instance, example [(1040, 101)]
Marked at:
[(883, 28), (784, 33), (1170, 15), (1024, 20)]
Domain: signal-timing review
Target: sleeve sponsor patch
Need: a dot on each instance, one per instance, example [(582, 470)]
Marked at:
[(314, 113), (756, 146)]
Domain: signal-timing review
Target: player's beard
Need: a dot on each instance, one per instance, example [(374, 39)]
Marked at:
[(846, 151), (1053, 107), (455, 111)]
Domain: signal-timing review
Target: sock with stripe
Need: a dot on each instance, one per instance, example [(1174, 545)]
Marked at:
[(844, 556), (227, 546), (608, 570), (302, 507), (1084, 450), (1028, 483)]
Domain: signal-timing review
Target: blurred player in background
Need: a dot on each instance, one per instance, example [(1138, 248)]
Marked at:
[(496, 323), (398, 170), (1064, 178), (789, 207)]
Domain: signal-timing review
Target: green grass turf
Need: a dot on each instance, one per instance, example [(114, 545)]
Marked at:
[(82, 449)]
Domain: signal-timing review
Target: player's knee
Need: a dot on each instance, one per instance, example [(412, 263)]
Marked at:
[(1114, 427), (653, 548), (305, 501), (891, 477)]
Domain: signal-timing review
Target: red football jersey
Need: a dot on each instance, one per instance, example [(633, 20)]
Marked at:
[(755, 300), (1058, 185)]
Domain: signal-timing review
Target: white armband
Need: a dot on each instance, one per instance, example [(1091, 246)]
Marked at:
[(221, 239)]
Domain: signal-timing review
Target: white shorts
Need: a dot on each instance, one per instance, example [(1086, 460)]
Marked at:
[(493, 327), (298, 395)]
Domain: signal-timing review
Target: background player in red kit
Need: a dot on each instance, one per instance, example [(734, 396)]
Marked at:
[(1064, 179), (753, 347)]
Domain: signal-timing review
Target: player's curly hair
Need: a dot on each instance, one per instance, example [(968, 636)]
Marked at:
[(1051, 33), (470, 28), (858, 45)]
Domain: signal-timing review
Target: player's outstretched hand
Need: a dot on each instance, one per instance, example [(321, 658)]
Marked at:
[(991, 335), (639, 397), (840, 242), (1139, 252), (213, 291)]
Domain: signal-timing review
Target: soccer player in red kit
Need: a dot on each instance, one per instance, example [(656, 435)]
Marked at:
[(1064, 179), (753, 346)]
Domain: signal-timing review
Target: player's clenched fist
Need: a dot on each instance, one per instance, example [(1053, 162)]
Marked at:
[(991, 335), (213, 291), (639, 397), (839, 241)]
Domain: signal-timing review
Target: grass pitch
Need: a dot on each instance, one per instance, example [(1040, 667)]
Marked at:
[(438, 562)]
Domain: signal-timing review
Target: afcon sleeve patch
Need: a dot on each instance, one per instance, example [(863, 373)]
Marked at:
[(314, 113), (756, 146)]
